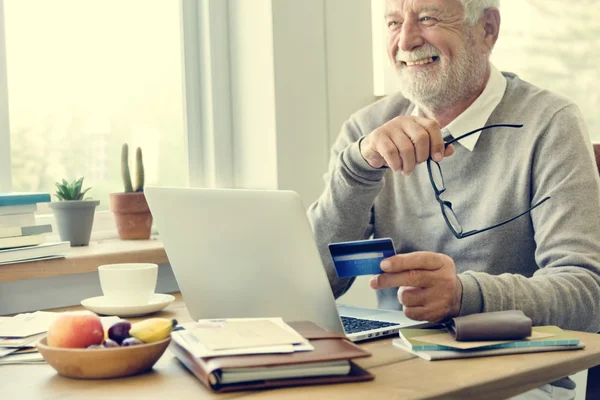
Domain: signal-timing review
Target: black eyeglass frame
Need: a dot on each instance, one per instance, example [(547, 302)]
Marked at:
[(444, 203)]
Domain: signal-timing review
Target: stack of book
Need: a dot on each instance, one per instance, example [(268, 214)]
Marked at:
[(21, 238), (438, 344)]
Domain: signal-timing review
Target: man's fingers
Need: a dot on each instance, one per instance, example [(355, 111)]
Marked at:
[(412, 296), (436, 142), (449, 151), (424, 313), (415, 260), (388, 150), (419, 137), (413, 278), (417, 313), (406, 150), (404, 142)]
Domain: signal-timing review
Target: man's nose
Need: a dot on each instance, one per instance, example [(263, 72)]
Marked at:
[(410, 36)]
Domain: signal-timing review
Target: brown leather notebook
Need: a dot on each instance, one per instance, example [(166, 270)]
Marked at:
[(328, 346)]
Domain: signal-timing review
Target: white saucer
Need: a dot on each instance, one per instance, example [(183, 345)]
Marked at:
[(100, 305)]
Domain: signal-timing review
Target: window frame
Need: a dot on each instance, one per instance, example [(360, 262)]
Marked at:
[(207, 88), (206, 104), (5, 160)]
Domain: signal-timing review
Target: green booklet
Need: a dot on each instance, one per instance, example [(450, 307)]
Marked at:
[(440, 339)]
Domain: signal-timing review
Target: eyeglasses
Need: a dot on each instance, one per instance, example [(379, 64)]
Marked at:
[(437, 182)]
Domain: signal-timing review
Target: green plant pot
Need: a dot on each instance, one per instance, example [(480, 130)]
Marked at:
[(74, 219)]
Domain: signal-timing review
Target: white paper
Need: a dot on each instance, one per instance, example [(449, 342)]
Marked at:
[(26, 358), (187, 339), (27, 324), (7, 350), (235, 333), (28, 341), (25, 328)]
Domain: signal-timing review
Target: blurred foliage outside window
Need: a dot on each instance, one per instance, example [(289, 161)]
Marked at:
[(554, 44), (86, 76)]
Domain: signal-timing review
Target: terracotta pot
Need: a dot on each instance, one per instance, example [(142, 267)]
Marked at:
[(132, 215)]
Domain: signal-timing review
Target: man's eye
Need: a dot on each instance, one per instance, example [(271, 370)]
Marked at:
[(427, 20), (393, 24)]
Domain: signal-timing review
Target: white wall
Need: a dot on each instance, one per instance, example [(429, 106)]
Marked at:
[(349, 50), (299, 69), (301, 95), (253, 94)]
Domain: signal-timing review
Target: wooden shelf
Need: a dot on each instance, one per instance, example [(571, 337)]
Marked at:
[(87, 259)]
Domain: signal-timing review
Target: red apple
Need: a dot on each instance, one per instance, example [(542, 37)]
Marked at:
[(76, 329)]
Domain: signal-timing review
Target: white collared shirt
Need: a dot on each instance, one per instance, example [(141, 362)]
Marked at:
[(479, 112)]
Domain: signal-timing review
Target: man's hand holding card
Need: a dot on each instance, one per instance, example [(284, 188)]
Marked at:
[(429, 288)]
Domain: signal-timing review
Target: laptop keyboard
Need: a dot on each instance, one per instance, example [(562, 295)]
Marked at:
[(353, 325)]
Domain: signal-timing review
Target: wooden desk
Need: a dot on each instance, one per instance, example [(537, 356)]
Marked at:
[(398, 375)]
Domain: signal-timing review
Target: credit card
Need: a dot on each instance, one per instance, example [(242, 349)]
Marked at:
[(360, 257)]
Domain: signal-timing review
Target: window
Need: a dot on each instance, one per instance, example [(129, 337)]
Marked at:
[(554, 45), (86, 76), (550, 43)]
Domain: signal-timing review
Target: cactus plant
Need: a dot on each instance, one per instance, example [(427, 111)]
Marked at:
[(70, 191), (126, 174), (139, 171)]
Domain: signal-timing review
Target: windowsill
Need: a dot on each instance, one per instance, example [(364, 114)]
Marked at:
[(87, 259)]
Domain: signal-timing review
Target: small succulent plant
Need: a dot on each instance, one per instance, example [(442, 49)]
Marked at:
[(139, 169), (71, 191)]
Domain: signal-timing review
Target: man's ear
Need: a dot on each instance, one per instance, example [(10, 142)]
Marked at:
[(491, 27)]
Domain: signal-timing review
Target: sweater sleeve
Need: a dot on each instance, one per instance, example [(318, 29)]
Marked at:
[(565, 290), (343, 212)]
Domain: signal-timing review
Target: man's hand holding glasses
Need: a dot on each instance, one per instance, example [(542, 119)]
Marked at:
[(403, 142)]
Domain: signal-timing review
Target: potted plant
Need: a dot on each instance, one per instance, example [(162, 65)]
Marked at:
[(130, 209), (74, 214)]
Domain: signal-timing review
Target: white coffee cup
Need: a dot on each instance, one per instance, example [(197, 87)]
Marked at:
[(128, 284)]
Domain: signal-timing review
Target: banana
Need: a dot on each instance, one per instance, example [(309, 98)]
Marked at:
[(152, 329)]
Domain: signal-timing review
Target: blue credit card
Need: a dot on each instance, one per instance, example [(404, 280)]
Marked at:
[(361, 257)]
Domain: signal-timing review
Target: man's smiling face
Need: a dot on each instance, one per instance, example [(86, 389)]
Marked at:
[(437, 56)]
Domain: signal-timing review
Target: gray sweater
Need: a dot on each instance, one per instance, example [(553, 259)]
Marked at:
[(546, 263)]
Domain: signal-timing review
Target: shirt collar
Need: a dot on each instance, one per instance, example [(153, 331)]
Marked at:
[(479, 112)]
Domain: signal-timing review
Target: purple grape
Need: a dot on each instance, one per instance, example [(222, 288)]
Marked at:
[(131, 341), (110, 343), (119, 331), (95, 346)]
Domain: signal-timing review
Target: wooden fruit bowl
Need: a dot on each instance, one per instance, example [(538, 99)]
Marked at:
[(114, 362)]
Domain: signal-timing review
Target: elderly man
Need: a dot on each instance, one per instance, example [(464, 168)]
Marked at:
[(505, 218)]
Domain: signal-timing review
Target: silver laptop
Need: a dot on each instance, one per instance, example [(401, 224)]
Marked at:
[(239, 253)]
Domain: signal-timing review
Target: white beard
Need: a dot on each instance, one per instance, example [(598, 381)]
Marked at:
[(451, 81)]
